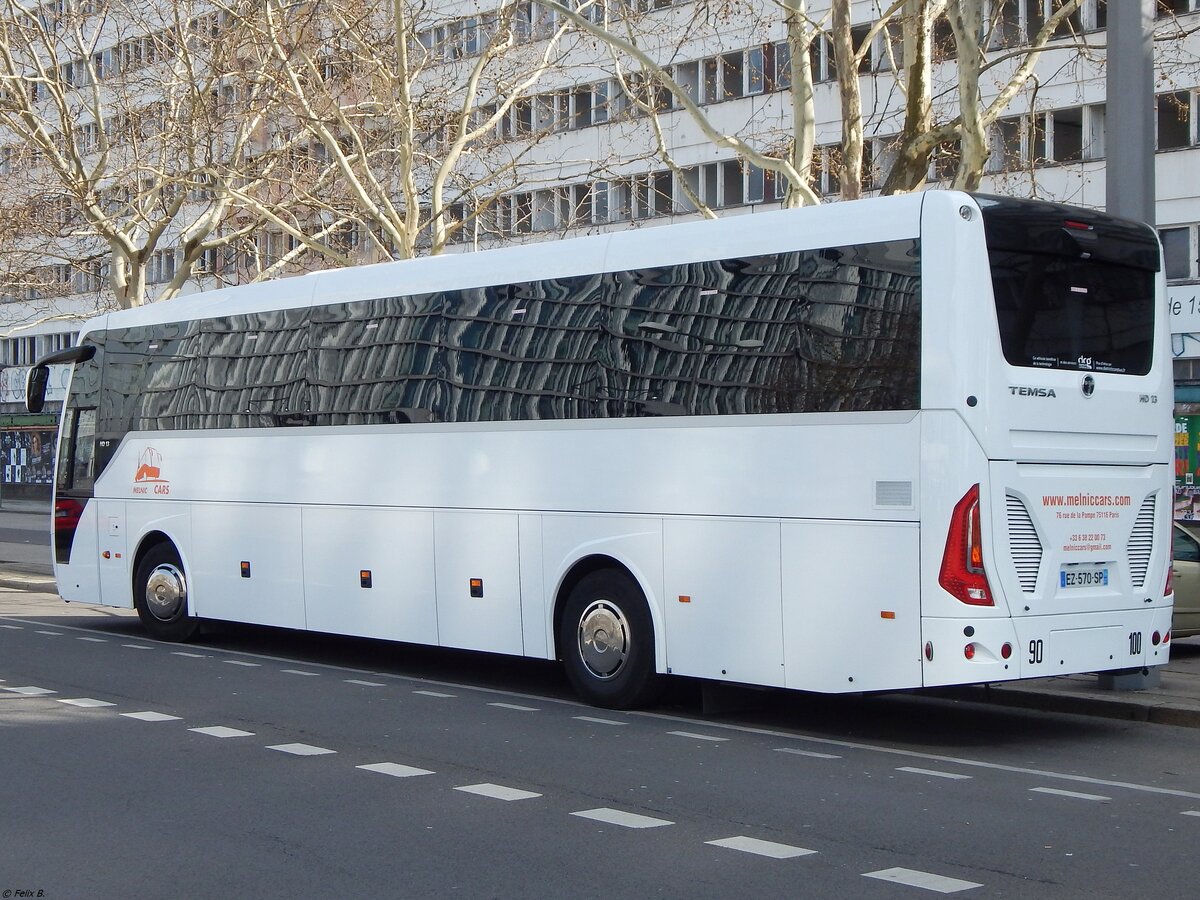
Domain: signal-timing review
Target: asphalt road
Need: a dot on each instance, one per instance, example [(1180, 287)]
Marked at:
[(25, 541), (266, 763)]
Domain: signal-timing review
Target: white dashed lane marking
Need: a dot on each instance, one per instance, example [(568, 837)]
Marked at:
[(624, 819), (301, 749), (365, 683), (149, 716), (12, 627), (1074, 794), (497, 792), (29, 691), (395, 770), (220, 731), (434, 694), (51, 633), (92, 640), (934, 773), (242, 662), (515, 706), (137, 646), (697, 737), (761, 848), (188, 655), (596, 721), (812, 753), (86, 702), (1191, 812), (942, 884), (298, 672)]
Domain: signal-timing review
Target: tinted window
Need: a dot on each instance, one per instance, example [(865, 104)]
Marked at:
[(1062, 313), (375, 362), (813, 331)]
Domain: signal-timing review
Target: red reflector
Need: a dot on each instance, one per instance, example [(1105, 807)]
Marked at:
[(929, 650), (1006, 651), (969, 651), (1156, 639), (887, 614), (1167, 638)]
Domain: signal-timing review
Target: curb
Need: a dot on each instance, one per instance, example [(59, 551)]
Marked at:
[(1150, 705)]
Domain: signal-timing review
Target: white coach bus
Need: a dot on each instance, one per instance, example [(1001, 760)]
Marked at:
[(901, 442)]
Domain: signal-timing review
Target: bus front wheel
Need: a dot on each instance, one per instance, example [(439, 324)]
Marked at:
[(160, 595), (607, 641)]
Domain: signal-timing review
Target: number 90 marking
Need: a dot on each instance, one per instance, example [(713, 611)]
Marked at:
[(1036, 652)]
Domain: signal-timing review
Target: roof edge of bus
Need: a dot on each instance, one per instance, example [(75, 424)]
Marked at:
[(752, 233)]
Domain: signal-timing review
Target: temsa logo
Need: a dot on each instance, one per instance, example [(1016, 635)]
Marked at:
[(149, 471)]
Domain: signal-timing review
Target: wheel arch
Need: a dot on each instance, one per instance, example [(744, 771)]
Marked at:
[(596, 562), (149, 540)]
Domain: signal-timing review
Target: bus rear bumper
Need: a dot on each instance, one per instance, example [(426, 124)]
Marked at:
[(975, 650)]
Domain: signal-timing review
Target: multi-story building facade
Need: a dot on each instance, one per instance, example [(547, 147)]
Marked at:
[(589, 145)]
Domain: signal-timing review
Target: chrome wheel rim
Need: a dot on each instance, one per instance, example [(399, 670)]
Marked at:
[(166, 592), (603, 639)]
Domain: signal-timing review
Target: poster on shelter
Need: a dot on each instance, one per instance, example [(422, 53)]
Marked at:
[(28, 456)]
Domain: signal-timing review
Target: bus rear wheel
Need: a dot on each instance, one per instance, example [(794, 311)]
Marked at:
[(606, 638), (160, 595)]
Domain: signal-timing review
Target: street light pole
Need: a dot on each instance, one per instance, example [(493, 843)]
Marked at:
[(1129, 176), (1129, 112)]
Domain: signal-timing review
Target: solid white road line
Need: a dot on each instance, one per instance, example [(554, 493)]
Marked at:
[(1075, 794), (624, 819), (813, 753), (761, 848), (911, 877), (497, 792), (934, 772), (597, 721), (697, 737)]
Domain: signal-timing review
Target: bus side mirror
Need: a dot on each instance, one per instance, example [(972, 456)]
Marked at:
[(36, 381)]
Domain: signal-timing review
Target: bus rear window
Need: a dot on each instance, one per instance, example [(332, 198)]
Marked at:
[(1062, 312)]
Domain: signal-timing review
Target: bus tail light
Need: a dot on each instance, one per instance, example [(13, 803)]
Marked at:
[(962, 573)]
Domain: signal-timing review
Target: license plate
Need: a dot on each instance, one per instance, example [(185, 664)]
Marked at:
[(1083, 575)]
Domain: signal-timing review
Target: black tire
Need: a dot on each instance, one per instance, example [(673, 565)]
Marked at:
[(160, 596), (606, 638)]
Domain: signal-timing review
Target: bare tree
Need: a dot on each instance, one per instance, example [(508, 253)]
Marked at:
[(425, 122), (131, 123)]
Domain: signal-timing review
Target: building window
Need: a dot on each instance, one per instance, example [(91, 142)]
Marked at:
[(1175, 117), (1179, 252)]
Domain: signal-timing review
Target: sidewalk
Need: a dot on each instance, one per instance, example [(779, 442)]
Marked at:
[(26, 594)]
